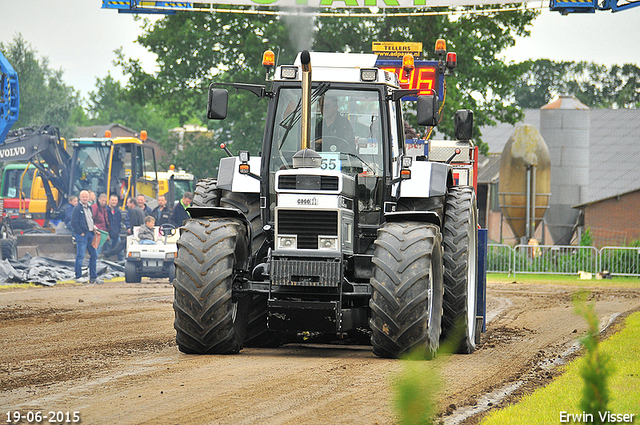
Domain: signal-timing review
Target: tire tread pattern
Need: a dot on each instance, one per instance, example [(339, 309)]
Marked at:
[(407, 259), (258, 334), (203, 302), (459, 220), (9, 249), (205, 194)]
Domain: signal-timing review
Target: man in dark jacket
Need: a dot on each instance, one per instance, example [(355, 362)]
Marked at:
[(162, 213), (180, 214), (114, 246), (146, 209), (135, 216), (333, 126), (68, 209), (83, 228)]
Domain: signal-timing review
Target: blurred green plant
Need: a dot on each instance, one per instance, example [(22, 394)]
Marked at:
[(597, 367), (417, 388), (587, 238)]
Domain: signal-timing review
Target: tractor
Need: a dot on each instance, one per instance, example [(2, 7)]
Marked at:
[(342, 227)]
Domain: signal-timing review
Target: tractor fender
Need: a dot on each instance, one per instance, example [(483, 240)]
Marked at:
[(220, 212), (428, 179), (217, 212), (420, 216), (229, 177)]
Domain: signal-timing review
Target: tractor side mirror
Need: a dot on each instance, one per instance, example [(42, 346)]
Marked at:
[(464, 125), (428, 110), (217, 106)]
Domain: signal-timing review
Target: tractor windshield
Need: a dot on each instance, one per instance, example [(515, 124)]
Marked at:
[(345, 131)]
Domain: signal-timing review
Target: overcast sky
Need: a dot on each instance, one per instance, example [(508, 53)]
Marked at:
[(79, 37)]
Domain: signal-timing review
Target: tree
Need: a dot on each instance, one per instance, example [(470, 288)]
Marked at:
[(112, 103), (594, 85), (195, 49), (482, 82), (44, 97), (195, 153)]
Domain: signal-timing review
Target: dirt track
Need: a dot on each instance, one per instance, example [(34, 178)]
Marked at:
[(108, 351)]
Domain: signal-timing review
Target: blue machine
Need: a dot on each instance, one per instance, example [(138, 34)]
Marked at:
[(9, 97), (589, 6)]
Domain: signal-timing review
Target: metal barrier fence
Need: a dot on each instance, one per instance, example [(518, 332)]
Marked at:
[(621, 261), (554, 259), (499, 258), (562, 259)]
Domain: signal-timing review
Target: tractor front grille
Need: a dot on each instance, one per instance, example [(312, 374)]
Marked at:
[(307, 225), (303, 272), (308, 182)]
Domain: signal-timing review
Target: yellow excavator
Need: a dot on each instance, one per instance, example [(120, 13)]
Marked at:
[(36, 188)]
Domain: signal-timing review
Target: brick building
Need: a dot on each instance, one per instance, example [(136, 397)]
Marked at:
[(613, 221)]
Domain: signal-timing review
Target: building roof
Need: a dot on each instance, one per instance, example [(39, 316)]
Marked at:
[(565, 102), (496, 137), (614, 153), (117, 130), (489, 168), (618, 195)]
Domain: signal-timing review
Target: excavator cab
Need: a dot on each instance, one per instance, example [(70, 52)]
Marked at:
[(122, 166)]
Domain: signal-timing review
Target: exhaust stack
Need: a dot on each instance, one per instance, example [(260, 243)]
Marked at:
[(306, 157), (305, 59)]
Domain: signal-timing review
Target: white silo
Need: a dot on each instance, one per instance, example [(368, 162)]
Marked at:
[(565, 125)]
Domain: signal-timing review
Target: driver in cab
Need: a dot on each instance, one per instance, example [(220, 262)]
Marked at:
[(333, 126)]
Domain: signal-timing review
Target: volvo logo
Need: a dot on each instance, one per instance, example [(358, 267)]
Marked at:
[(11, 152)]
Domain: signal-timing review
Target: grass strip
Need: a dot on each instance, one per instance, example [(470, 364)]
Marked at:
[(545, 405)]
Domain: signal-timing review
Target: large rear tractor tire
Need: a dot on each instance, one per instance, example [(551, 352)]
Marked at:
[(460, 242), (208, 318), (249, 204), (258, 334), (406, 303), (205, 194)]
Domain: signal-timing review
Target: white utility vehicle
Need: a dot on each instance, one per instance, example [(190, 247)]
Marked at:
[(153, 260)]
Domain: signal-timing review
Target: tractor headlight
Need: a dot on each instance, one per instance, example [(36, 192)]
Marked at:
[(328, 242), (134, 254), (289, 72), (170, 255), (287, 242), (369, 74)]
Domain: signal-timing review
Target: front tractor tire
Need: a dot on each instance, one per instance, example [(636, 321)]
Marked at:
[(460, 242), (258, 334), (208, 319), (406, 302)]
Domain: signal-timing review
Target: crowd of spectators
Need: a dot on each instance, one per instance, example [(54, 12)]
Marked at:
[(99, 226)]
